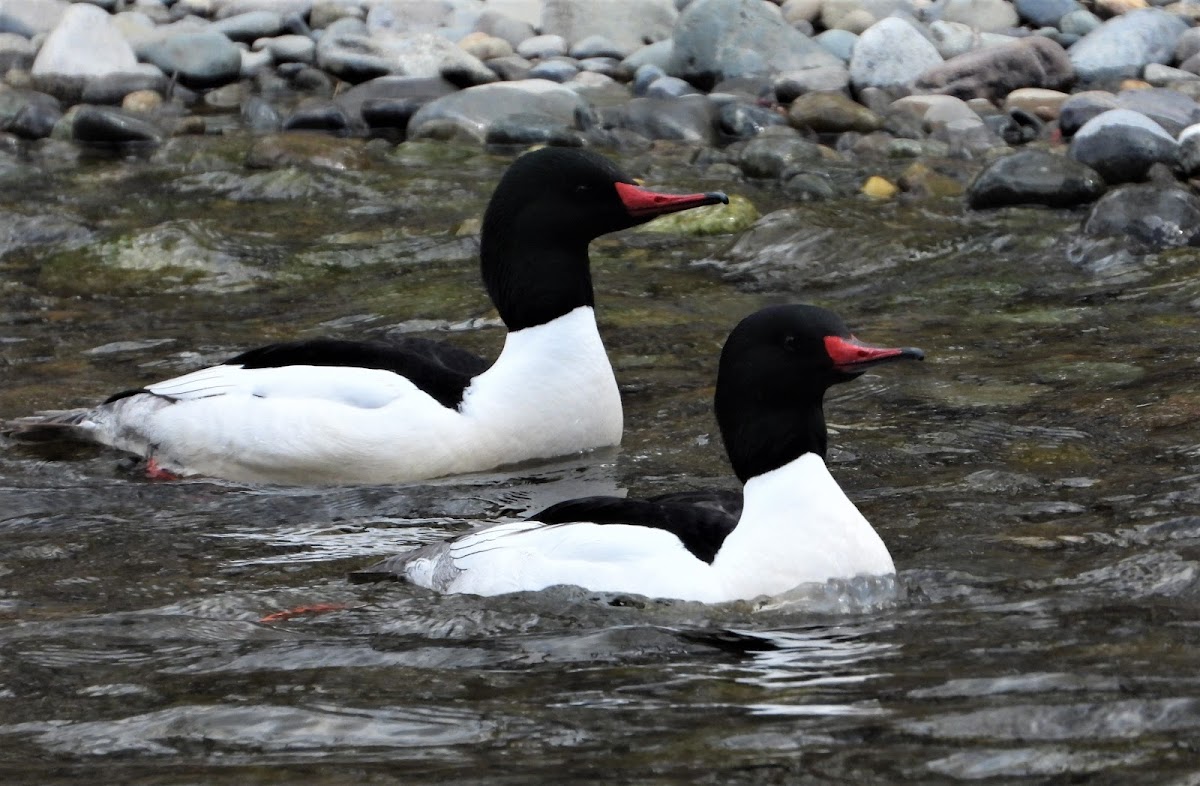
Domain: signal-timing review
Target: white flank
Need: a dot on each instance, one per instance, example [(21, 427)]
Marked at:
[(550, 393), (798, 527)]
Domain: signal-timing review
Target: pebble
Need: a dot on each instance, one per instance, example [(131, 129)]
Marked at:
[(204, 59), (1122, 144)]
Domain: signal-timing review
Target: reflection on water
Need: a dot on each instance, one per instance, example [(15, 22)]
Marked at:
[(1035, 481)]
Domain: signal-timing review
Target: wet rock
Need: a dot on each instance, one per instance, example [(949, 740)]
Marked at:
[(292, 149), (555, 70), (669, 87), (198, 60), (1189, 150), (1122, 145), (352, 58), (1045, 13), (28, 18), (1156, 217), (736, 120), (1034, 177), (891, 55), (828, 79), (771, 156), (395, 98), (112, 88), (1171, 109), (319, 115), (259, 116), (471, 111), (1016, 127), (543, 46), (28, 113), (1079, 108), (626, 23), (809, 187), (986, 15), (107, 126), (832, 113), (1124, 45), (994, 72), (716, 40), (84, 45), (926, 182), (528, 129), (289, 48), (685, 119), (16, 52), (142, 102), (249, 26)]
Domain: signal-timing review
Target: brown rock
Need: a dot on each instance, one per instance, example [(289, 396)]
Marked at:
[(996, 71), (1038, 101), (832, 113)]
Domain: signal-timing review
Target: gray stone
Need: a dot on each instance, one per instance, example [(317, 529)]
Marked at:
[(629, 24), (289, 48), (987, 15), (722, 39), (84, 45), (1122, 145), (657, 54), (250, 26), (28, 18), (429, 55), (542, 46), (809, 187), (1045, 13), (1169, 108), (1189, 150), (1124, 45), (1165, 76), (351, 58), (319, 115), (254, 62), (554, 70), (1154, 216), (669, 87), (1188, 44), (409, 17), (953, 38), (1034, 177), (769, 156), (1082, 107), (599, 46), (259, 116), (510, 69), (389, 113), (28, 113), (325, 12), (684, 119), (113, 88), (529, 129), (830, 79), (644, 77), (102, 125), (16, 51), (891, 54), (994, 72), (608, 66), (1079, 22), (839, 43), (197, 59), (469, 112), (388, 92), (514, 31)]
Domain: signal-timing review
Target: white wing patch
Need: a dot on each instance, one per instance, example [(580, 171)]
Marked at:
[(365, 388)]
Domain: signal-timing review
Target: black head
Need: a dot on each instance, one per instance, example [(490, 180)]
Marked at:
[(547, 207), (775, 368)]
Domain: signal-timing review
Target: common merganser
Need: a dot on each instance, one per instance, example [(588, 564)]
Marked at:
[(796, 526), (332, 411)]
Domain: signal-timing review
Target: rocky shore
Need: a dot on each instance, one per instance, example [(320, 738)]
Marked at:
[(1052, 102)]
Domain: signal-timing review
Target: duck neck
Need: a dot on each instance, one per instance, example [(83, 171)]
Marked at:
[(533, 274), (766, 438)]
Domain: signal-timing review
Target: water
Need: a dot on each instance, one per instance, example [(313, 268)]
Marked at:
[(1035, 480)]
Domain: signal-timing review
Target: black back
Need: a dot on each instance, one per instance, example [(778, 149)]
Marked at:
[(441, 370), (547, 207), (701, 529)]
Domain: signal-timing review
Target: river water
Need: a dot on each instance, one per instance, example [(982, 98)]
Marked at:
[(1035, 479)]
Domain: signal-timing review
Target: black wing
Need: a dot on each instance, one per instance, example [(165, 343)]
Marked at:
[(700, 528), (439, 369)]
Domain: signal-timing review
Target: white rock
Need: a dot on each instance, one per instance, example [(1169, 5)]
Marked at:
[(953, 38), (891, 54), (629, 24), (84, 44), (30, 17), (542, 46), (288, 48)]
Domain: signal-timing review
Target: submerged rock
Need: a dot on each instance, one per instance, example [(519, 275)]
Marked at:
[(108, 126), (1156, 217)]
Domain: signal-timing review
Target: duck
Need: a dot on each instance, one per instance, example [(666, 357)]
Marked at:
[(795, 525), (331, 411)]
